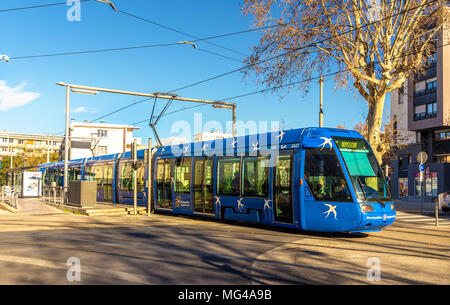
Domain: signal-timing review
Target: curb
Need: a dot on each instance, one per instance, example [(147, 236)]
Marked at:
[(8, 208)]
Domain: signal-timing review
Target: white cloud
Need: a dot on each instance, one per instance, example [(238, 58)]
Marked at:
[(15, 97), (174, 140), (79, 109)]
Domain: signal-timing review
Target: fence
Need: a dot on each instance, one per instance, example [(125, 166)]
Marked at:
[(54, 194), (10, 196)]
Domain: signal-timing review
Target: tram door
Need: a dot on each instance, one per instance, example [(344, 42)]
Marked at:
[(203, 186), (164, 183), (282, 189), (108, 183)]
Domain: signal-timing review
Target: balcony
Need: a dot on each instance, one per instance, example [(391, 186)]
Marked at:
[(425, 92), (424, 115)]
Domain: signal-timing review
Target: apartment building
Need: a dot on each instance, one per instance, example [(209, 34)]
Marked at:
[(14, 144), (421, 110), (96, 139)]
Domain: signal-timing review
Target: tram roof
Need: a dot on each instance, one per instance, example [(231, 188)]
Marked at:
[(282, 138), (90, 160)]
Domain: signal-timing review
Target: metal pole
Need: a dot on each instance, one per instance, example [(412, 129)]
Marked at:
[(66, 140), (48, 148), (149, 179), (234, 120), (152, 95), (436, 211), (134, 176), (321, 102)]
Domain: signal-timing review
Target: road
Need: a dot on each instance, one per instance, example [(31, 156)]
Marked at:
[(163, 249)]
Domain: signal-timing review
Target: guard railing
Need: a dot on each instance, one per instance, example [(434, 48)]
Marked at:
[(10, 196), (54, 195)]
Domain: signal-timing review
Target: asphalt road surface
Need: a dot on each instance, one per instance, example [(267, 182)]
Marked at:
[(44, 248)]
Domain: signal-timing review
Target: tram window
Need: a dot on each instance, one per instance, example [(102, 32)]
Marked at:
[(183, 175), (324, 175), (228, 177), (255, 180), (74, 174), (126, 181), (140, 181), (97, 172), (88, 174)]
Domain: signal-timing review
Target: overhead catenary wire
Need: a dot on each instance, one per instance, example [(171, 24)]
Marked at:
[(180, 32), (280, 86), (272, 58), (282, 54), (36, 6)]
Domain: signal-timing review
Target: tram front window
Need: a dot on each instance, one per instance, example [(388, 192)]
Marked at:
[(324, 175), (366, 175)]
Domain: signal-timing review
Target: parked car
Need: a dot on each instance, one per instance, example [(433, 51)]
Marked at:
[(444, 201)]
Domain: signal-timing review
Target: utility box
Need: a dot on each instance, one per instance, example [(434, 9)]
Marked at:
[(82, 193)]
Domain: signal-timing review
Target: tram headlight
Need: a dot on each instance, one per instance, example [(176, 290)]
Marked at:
[(392, 207), (366, 208)]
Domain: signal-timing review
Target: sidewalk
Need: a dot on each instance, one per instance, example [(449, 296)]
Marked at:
[(415, 205), (35, 206)]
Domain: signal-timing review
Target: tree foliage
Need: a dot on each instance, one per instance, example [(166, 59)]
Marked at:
[(390, 141), (375, 44), (25, 160)]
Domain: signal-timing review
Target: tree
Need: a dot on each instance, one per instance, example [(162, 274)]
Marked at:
[(390, 140), (29, 159), (376, 45)]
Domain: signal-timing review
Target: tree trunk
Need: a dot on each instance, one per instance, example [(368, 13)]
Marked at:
[(374, 120)]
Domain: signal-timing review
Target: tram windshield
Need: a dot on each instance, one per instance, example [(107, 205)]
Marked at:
[(365, 172)]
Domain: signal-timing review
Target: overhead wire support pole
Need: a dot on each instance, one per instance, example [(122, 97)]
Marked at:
[(161, 95), (66, 142), (321, 102)]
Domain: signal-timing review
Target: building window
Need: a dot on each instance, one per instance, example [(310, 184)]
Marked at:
[(20, 141), (433, 58), (431, 86), (4, 140), (430, 187), (101, 133), (443, 159), (400, 94), (442, 135), (101, 150), (426, 111), (425, 87)]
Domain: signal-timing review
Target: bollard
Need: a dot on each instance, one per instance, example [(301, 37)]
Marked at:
[(436, 211)]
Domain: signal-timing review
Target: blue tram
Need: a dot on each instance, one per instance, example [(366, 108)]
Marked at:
[(317, 179)]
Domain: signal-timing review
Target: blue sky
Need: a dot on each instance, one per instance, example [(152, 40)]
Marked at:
[(31, 82)]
